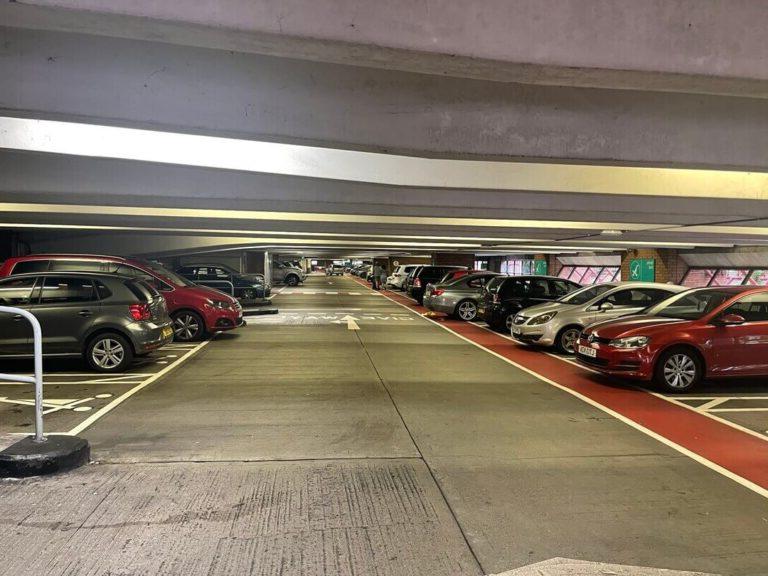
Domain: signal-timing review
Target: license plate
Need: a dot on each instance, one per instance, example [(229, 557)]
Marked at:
[(587, 351), (167, 331)]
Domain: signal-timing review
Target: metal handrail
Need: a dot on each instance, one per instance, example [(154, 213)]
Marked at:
[(209, 282), (37, 380)]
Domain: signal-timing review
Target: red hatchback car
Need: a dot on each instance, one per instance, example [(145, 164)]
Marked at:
[(706, 332), (195, 310)]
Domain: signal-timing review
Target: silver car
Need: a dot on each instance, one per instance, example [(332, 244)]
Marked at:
[(458, 297), (559, 323)]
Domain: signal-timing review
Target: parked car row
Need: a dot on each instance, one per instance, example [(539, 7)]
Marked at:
[(671, 335), (106, 308)]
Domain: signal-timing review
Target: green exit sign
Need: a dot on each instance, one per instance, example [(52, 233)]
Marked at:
[(540, 267), (642, 270)]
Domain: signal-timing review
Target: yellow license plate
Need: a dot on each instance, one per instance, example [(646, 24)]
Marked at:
[(167, 331)]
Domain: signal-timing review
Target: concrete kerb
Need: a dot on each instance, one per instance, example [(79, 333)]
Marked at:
[(56, 454)]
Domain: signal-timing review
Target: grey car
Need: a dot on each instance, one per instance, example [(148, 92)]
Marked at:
[(105, 318), (459, 297), (287, 273), (559, 323)]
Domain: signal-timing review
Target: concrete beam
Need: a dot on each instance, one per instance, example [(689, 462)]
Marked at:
[(157, 85), (670, 45)]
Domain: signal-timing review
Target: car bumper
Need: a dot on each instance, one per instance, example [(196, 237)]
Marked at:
[(492, 315), (616, 362), (439, 304), (540, 335), (147, 336), (220, 320)]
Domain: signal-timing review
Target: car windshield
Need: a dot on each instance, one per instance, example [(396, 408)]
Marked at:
[(161, 270), (584, 295), (690, 305)]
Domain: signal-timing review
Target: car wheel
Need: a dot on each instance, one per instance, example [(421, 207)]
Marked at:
[(466, 310), (508, 322), (292, 280), (679, 370), (567, 338), (187, 326), (109, 352)]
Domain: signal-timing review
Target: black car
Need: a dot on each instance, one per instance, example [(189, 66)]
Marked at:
[(105, 318), (408, 282), (505, 296), (248, 288), (425, 275)]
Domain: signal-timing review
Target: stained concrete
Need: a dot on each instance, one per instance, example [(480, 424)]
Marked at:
[(373, 517)]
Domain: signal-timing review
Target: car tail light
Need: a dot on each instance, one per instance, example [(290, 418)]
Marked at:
[(438, 292), (417, 283), (140, 311)]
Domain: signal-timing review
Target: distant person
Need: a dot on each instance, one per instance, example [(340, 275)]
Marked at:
[(376, 276), (383, 279)]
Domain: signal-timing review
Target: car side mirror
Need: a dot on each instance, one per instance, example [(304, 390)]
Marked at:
[(605, 307), (730, 320)]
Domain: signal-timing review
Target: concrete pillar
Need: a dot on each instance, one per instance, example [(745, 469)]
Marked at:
[(453, 259), (669, 266), (257, 262)]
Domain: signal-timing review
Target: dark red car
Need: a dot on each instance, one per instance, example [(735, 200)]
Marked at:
[(707, 332), (195, 310)]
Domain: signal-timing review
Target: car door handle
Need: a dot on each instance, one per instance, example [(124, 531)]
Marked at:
[(85, 313), (18, 318)]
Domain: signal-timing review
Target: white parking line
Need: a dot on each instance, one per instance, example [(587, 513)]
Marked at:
[(91, 420), (671, 399)]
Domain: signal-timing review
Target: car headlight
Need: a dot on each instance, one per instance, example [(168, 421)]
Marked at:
[(631, 342), (222, 304), (542, 319)]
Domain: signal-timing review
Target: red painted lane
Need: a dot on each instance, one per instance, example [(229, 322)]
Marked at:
[(740, 453)]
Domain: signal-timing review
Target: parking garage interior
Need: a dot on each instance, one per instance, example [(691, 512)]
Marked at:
[(275, 176)]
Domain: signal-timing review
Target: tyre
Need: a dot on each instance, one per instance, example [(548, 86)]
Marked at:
[(109, 352), (466, 310), (566, 340), (678, 370), (292, 280), (508, 323), (188, 326)]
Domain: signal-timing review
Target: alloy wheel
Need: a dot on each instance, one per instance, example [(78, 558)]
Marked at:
[(186, 327), (508, 322), (679, 371), (467, 311), (108, 353), (568, 340)]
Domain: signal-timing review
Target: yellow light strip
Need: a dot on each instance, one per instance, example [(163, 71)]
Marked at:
[(146, 211), (79, 139)]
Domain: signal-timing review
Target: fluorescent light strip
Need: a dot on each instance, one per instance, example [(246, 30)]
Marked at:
[(147, 211), (90, 140)]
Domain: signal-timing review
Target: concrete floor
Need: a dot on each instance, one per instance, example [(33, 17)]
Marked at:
[(299, 446)]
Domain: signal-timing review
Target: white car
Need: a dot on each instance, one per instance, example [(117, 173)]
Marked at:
[(399, 275)]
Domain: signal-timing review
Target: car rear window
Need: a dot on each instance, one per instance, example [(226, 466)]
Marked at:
[(142, 290)]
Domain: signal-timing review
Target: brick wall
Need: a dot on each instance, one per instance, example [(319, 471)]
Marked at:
[(453, 259)]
